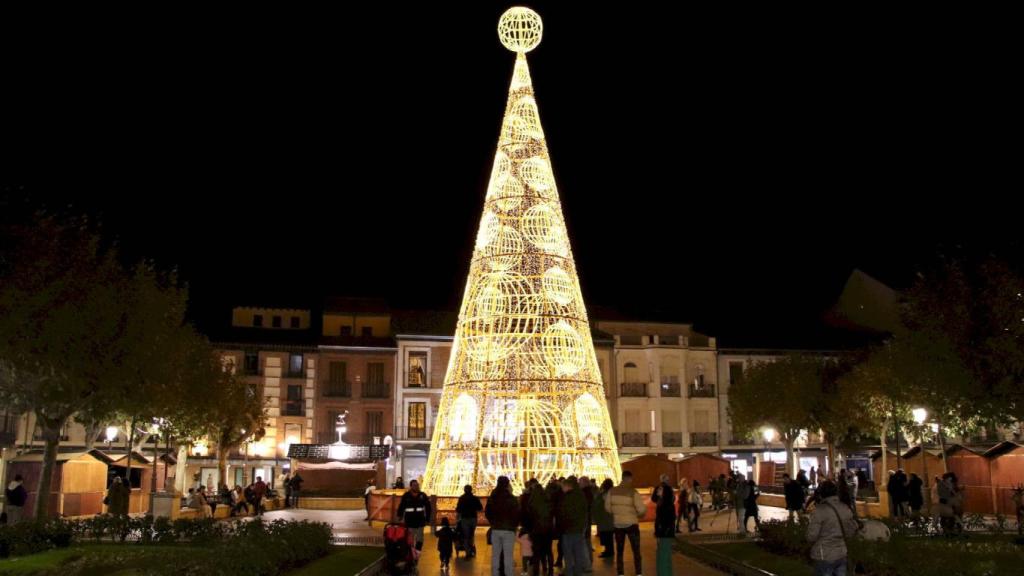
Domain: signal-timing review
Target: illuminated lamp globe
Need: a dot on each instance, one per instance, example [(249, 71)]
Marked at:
[(520, 29)]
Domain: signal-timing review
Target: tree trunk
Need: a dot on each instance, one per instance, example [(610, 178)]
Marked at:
[(152, 481), (942, 446), (91, 431), (830, 443), (222, 463), (128, 471), (791, 464), (51, 433)]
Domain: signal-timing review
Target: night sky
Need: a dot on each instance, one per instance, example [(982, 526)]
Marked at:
[(726, 169)]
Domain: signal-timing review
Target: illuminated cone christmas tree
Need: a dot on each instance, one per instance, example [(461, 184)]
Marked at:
[(523, 396)]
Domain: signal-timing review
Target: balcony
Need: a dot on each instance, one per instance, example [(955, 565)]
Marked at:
[(414, 433), (354, 438), (634, 439), (670, 388), (634, 389), (337, 389), (703, 439), (293, 408), (672, 439), (702, 391), (376, 390)]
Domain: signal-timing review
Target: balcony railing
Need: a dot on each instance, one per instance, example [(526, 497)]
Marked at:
[(376, 390), (702, 391), (741, 442), (294, 374), (414, 433), (672, 439), (700, 439), (634, 439), (670, 388), (634, 389), (363, 438), (294, 408), (337, 389)]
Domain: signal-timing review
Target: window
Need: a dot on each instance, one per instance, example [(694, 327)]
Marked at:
[(367, 331), (374, 424), (295, 321), (630, 373), (735, 372), (417, 370), (346, 330), (417, 420), (294, 405), (257, 320), (276, 322), (337, 380), (374, 386), (295, 365), (698, 379), (252, 363)]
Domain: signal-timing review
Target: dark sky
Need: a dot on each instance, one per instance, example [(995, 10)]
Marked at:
[(729, 169)]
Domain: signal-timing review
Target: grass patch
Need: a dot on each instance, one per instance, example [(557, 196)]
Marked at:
[(754, 555), (56, 558), (341, 560)]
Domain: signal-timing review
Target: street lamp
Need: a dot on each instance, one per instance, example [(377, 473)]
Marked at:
[(111, 435)]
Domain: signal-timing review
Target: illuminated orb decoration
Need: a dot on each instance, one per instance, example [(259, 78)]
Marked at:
[(523, 396), (520, 29)]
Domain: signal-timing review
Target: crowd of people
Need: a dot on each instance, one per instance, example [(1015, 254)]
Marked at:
[(551, 524)]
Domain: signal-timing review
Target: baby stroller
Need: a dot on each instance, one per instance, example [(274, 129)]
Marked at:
[(460, 540), (399, 550)]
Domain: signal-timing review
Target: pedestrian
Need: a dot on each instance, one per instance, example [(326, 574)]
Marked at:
[(831, 524), (399, 484), (445, 542), (664, 525), (502, 512), (572, 518), (525, 550), (118, 496), (286, 482), (414, 511), (694, 505), (295, 484), (466, 512), (367, 493), (684, 504), (604, 521), (539, 521), (627, 508), (750, 506), (259, 490), (740, 493), (794, 496), (915, 494), (15, 497), (813, 476)]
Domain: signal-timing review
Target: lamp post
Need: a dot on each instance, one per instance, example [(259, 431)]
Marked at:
[(768, 434), (920, 416)]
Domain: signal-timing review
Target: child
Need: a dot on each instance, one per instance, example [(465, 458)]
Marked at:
[(445, 540), (526, 547)]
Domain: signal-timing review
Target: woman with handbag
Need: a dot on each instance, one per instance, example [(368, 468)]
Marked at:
[(831, 524)]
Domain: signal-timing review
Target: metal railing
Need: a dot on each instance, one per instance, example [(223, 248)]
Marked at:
[(701, 439), (337, 389), (672, 439), (376, 390), (414, 433), (634, 389), (702, 391), (634, 439), (670, 388)]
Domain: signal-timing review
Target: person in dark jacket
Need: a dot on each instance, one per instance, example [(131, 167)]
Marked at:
[(794, 495), (554, 491), (750, 509), (466, 511), (445, 541), (15, 497), (915, 496), (664, 525), (538, 522), (572, 518), (604, 520), (589, 491), (502, 512), (414, 511)]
